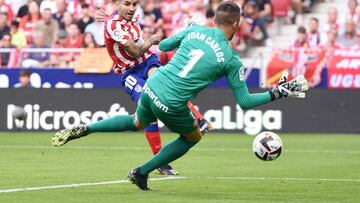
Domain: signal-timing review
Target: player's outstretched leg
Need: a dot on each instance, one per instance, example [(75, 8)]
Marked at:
[(168, 153), (62, 137), (114, 124)]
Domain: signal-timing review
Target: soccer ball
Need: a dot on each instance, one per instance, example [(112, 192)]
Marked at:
[(267, 146)]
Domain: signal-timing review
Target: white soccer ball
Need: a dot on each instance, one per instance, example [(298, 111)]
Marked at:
[(267, 146)]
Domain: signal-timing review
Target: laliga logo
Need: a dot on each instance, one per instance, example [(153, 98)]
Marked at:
[(54, 120), (252, 121)]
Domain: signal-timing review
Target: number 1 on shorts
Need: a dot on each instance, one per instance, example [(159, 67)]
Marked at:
[(195, 56)]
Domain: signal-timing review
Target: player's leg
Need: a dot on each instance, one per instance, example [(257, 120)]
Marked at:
[(119, 123), (114, 124), (172, 151), (182, 122), (169, 153), (133, 83)]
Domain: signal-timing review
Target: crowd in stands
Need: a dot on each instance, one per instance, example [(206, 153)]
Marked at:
[(71, 24)]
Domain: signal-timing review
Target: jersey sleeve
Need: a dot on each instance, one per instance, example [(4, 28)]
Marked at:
[(174, 42), (235, 75), (113, 28)]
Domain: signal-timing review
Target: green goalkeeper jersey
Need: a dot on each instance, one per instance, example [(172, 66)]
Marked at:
[(203, 56)]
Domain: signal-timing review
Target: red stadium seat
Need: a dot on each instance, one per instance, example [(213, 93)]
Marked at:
[(280, 12), (280, 7)]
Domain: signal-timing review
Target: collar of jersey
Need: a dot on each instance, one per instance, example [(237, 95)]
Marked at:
[(220, 32)]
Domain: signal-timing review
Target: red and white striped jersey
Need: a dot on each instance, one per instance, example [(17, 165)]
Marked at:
[(117, 32)]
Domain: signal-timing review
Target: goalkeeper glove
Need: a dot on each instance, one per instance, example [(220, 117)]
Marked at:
[(294, 88)]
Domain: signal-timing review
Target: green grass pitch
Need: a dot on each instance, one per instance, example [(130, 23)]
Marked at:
[(221, 168)]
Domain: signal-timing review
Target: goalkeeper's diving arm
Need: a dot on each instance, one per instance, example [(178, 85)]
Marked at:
[(294, 88)]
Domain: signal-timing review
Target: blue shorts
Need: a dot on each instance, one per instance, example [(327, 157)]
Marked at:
[(133, 80)]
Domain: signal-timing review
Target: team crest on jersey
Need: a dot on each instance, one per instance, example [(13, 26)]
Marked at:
[(118, 34), (242, 73)]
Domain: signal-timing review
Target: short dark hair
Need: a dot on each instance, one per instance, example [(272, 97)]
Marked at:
[(85, 6), (227, 13), (25, 73), (301, 30), (315, 19), (15, 23), (4, 14)]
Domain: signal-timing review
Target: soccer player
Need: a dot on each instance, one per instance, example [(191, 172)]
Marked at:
[(134, 62), (203, 55)]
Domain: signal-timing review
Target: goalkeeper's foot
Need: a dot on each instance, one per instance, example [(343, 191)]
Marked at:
[(205, 126), (167, 170), (62, 137), (138, 179)]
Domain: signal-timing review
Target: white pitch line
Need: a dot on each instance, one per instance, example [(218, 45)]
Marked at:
[(82, 184), (194, 149), (177, 178), (285, 179)]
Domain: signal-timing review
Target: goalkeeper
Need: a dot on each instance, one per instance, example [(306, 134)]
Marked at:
[(203, 56)]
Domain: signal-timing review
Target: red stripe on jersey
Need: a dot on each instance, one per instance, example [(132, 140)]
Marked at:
[(113, 25), (119, 56), (130, 31), (137, 29)]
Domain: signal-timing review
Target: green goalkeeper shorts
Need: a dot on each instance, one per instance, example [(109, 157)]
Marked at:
[(150, 108)]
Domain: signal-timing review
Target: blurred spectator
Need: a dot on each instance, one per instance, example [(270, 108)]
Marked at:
[(256, 14), (24, 79), (314, 36), (238, 42), (5, 8), (164, 57), (6, 43), (24, 10), (198, 10), (153, 9), (301, 39), (89, 41), (66, 21), (253, 22), (74, 37), (4, 27), (147, 32), (347, 39), (60, 10), (298, 7), (265, 11), (210, 12), (357, 45), (97, 30), (331, 42), (48, 26), (38, 59), (148, 20), (61, 59), (86, 18), (351, 12), (332, 19), (357, 18), (18, 37), (27, 23)]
